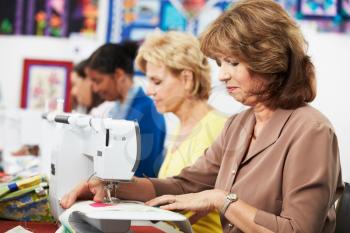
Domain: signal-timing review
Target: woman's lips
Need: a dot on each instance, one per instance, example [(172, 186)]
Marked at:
[(231, 89)]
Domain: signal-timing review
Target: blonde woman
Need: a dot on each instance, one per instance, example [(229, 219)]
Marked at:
[(179, 82)]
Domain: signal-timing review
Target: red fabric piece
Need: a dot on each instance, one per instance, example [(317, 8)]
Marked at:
[(145, 229), (30, 226)]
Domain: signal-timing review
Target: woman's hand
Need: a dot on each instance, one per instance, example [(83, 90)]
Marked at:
[(201, 203), (84, 190)]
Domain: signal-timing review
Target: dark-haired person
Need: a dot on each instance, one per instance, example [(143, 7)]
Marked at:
[(275, 167), (84, 100), (111, 69)]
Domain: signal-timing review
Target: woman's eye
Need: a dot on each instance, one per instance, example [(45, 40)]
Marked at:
[(95, 81), (156, 82), (232, 63), (218, 62)]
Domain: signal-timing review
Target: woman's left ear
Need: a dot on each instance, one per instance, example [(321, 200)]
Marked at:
[(188, 79)]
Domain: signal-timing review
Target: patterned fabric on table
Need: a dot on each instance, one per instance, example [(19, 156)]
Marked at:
[(25, 200)]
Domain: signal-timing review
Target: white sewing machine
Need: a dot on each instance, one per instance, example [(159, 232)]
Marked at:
[(85, 146), (110, 150)]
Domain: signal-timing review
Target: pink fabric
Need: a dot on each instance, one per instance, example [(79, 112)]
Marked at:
[(99, 204)]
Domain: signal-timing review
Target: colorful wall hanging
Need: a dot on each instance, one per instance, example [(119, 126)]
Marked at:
[(57, 18), (329, 15), (345, 8), (290, 6), (7, 17), (314, 9), (133, 19)]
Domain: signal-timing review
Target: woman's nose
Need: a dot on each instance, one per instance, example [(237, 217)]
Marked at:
[(74, 91), (94, 87), (223, 75), (150, 90)]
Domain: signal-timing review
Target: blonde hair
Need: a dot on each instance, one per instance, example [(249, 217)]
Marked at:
[(263, 36), (178, 51)]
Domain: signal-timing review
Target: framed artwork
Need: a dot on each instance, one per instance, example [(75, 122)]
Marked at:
[(45, 81), (316, 9)]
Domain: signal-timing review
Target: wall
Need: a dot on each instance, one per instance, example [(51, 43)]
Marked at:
[(330, 53), (13, 49)]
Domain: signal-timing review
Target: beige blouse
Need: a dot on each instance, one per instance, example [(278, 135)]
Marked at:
[(291, 173)]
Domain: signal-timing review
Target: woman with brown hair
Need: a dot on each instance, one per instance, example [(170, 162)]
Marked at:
[(275, 167)]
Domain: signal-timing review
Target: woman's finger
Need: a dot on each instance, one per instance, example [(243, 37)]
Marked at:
[(165, 199), (99, 194), (173, 206), (67, 201), (63, 202)]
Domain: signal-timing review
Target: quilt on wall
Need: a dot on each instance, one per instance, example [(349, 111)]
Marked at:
[(56, 18), (133, 19)]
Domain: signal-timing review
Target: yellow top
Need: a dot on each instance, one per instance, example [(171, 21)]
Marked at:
[(190, 149)]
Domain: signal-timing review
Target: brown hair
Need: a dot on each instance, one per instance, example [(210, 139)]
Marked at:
[(263, 36), (95, 98), (178, 51)]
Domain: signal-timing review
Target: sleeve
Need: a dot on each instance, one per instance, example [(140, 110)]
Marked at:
[(198, 177), (310, 180)]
